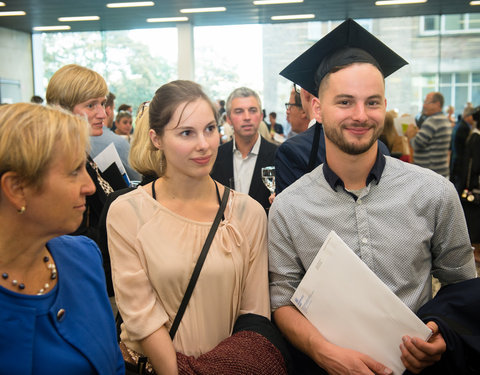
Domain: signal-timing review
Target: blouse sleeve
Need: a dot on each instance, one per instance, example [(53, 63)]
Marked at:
[(141, 311), (255, 297)]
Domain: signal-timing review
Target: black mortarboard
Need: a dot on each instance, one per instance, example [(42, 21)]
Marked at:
[(346, 44)]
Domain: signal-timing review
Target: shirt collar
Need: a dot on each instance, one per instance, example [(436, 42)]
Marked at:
[(312, 122), (375, 173), (255, 148)]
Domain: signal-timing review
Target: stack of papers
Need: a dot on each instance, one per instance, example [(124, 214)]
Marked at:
[(107, 157), (352, 308)]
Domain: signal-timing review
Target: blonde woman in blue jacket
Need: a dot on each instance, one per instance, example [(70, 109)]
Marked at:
[(55, 316)]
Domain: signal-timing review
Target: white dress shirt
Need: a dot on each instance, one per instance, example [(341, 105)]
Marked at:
[(243, 167)]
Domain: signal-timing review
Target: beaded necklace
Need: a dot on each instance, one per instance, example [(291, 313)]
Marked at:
[(53, 276)]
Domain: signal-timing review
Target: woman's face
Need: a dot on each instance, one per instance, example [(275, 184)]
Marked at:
[(190, 145), (58, 207), (94, 109), (124, 125)]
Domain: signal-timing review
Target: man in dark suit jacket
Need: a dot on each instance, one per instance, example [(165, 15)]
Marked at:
[(458, 160), (239, 162)]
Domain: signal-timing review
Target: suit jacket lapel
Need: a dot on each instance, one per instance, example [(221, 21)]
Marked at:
[(256, 185)]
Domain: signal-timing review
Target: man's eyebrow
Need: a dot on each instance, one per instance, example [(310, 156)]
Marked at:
[(347, 96), (343, 96)]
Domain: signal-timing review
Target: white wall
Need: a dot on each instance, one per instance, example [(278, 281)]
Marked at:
[(16, 60)]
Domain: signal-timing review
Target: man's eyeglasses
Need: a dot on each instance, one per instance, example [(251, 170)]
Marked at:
[(288, 105)]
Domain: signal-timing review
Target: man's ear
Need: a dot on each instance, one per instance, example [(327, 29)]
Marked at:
[(12, 187), (156, 140), (317, 109), (303, 114), (109, 111)]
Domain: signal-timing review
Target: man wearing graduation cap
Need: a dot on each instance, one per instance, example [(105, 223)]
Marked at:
[(404, 222)]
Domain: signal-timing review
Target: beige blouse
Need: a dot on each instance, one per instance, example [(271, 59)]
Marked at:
[(153, 252)]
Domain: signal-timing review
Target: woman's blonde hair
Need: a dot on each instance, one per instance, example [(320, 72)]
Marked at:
[(73, 84), (32, 134), (389, 130), (144, 157)]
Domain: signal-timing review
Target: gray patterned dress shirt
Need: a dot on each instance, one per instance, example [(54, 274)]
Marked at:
[(406, 225)]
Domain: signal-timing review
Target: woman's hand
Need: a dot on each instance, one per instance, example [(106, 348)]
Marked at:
[(271, 198)]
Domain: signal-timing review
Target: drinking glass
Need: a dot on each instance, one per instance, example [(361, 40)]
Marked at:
[(268, 178)]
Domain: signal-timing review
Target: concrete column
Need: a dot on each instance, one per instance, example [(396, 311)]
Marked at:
[(186, 58)]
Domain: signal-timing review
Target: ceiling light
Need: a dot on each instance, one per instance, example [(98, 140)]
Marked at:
[(2, 4), (272, 2), (399, 2), (203, 10), (51, 28), (475, 2), (12, 13), (83, 18), (132, 4), (168, 19), (293, 17)]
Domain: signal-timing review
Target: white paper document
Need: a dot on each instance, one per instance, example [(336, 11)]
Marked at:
[(352, 308), (108, 156)]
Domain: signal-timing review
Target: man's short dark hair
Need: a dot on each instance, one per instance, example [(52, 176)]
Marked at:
[(36, 99), (438, 98), (298, 99), (110, 99), (124, 107), (273, 114)]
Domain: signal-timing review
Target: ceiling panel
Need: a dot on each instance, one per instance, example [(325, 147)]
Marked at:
[(46, 12)]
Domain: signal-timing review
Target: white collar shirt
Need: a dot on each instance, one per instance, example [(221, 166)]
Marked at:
[(243, 167)]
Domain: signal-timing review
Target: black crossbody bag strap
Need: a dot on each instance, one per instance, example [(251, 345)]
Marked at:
[(199, 265), (142, 361)]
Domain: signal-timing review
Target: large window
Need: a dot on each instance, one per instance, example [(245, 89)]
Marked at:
[(227, 57), (451, 24), (134, 63), (442, 52), (457, 88)]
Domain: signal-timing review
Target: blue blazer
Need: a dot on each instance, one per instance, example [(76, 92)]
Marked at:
[(291, 161), (81, 313)]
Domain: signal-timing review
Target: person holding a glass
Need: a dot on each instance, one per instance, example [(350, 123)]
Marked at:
[(240, 161)]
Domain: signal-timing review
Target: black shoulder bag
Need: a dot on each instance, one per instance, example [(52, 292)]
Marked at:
[(142, 361)]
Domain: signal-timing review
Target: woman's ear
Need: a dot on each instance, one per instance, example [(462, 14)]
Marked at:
[(156, 139), (13, 189)]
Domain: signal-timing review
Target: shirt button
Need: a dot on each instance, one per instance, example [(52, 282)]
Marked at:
[(359, 201), (60, 315), (364, 240)]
